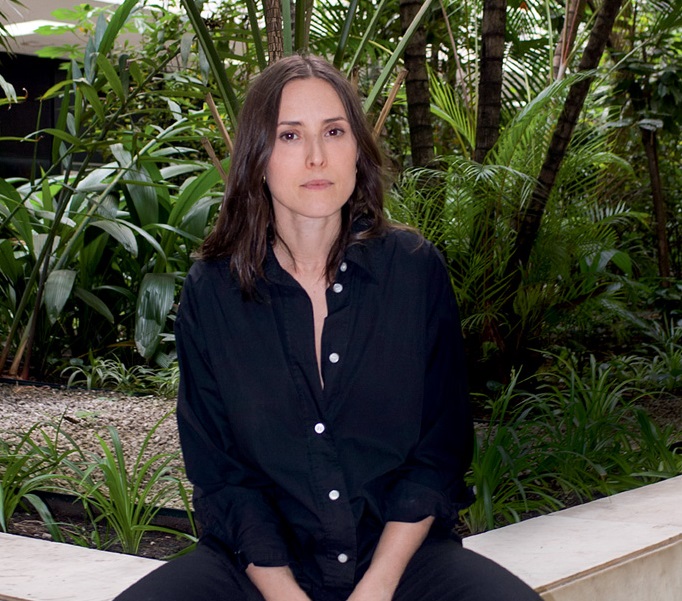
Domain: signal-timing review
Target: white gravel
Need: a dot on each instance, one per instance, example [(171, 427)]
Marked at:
[(86, 413)]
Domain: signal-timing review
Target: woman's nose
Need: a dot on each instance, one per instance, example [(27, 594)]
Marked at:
[(316, 153)]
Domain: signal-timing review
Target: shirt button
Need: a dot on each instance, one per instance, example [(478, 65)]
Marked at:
[(342, 558), (343, 266), (334, 358), (337, 287), (319, 428), (334, 494)]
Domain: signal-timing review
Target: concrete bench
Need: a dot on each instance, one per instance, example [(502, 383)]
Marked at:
[(37, 570), (625, 547)]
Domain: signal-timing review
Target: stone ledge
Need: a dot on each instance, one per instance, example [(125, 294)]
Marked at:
[(38, 570), (624, 547)]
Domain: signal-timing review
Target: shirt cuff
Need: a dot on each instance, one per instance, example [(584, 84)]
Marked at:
[(411, 502), (262, 557)]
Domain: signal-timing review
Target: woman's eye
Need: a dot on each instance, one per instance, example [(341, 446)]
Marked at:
[(335, 131), (288, 136)]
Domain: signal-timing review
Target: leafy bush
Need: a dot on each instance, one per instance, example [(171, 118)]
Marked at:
[(503, 472)]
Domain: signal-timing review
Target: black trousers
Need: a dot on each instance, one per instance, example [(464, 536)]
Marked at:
[(441, 570)]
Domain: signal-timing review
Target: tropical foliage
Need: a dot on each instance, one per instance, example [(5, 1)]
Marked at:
[(560, 226)]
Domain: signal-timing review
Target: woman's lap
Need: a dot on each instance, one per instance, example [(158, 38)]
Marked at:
[(205, 574), (442, 570)]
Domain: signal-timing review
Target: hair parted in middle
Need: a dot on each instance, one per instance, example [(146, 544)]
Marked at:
[(246, 222)]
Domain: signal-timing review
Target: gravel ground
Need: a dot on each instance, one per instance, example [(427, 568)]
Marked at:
[(85, 413)]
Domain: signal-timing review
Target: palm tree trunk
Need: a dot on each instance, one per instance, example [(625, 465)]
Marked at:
[(273, 29), (417, 88), (493, 28), (650, 142), (531, 219), (490, 83)]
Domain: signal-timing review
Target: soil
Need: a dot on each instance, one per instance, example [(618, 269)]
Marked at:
[(86, 414)]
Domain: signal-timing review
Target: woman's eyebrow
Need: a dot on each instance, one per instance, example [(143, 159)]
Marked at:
[(325, 121)]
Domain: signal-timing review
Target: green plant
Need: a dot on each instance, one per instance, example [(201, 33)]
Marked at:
[(27, 466), (588, 429), (165, 381), (660, 451), (127, 497), (92, 249), (504, 471), (580, 264), (660, 367), (111, 373)]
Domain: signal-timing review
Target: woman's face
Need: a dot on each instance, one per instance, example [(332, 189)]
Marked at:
[(311, 171)]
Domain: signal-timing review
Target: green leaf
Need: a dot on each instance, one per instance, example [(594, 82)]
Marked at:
[(345, 32), (111, 75), (92, 97), (57, 291), (154, 302), (256, 34), (225, 89), (62, 135), (122, 233), (287, 38), (95, 181), (367, 36), (9, 266), (116, 23), (393, 59), (138, 184), (194, 192), (94, 302)]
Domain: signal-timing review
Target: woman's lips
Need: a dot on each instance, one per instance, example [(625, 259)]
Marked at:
[(317, 184)]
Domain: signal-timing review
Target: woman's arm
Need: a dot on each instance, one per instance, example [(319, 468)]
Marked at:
[(398, 543), (230, 497), (276, 584)]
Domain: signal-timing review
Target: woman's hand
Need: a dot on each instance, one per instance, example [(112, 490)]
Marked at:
[(276, 583), (398, 543), (372, 589)]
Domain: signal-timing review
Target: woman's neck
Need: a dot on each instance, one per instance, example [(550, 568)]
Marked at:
[(302, 248)]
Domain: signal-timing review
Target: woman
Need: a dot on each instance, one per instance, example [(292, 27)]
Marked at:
[(322, 411)]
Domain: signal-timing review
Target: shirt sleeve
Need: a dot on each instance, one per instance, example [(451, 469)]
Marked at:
[(431, 483), (230, 497)]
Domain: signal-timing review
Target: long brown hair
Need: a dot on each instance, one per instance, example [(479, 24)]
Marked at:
[(246, 222)]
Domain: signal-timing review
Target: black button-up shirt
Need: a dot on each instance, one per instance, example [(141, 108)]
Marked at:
[(288, 471)]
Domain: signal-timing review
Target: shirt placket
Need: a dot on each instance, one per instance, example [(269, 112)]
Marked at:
[(337, 554), (341, 554)]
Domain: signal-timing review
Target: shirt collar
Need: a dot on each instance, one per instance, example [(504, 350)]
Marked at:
[(358, 253)]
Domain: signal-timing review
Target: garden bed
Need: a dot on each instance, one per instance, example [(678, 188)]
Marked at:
[(86, 414)]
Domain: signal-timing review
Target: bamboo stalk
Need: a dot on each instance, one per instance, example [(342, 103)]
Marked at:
[(219, 122), (389, 102)]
